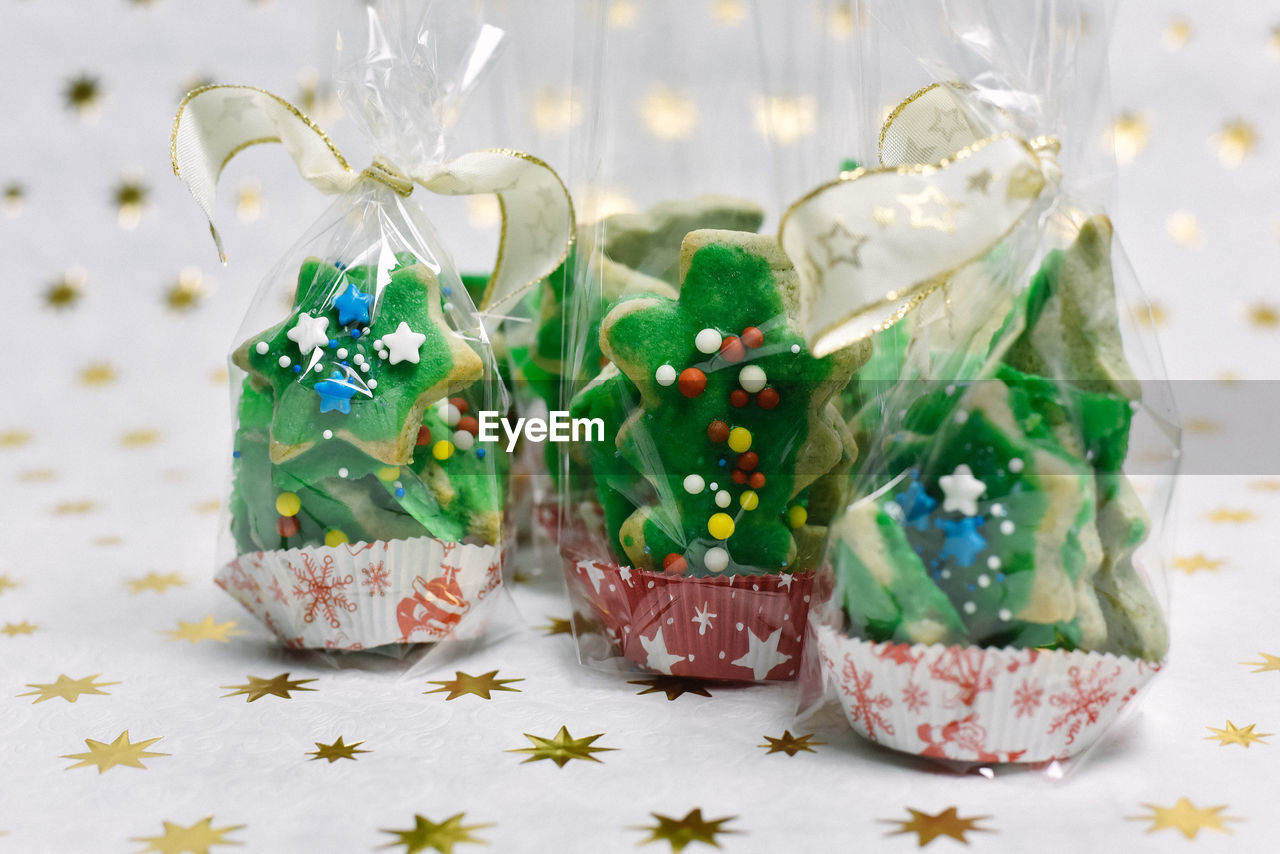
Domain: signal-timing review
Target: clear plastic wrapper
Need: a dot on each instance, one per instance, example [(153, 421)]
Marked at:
[(995, 587), (366, 511)]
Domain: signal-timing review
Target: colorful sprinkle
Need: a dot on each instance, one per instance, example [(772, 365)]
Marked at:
[(665, 375), (674, 564), (424, 435), (707, 341), (795, 348), (262, 347), (731, 349), (442, 450), (716, 559), (767, 398), (693, 484), (749, 500), (739, 398), (756, 481), (342, 472), (723, 498), (748, 461), (449, 413), (718, 431), (739, 476), (285, 361), (752, 337), (388, 474), (288, 526), (740, 440), (692, 382), (797, 516), (335, 537), (720, 526), (752, 378), (288, 504), (461, 404), (469, 424), (463, 440)]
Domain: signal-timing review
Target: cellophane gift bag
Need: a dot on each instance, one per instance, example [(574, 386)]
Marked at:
[(712, 453), (366, 511), (995, 590)]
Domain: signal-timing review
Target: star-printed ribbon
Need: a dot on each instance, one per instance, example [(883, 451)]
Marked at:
[(873, 244), (214, 123)]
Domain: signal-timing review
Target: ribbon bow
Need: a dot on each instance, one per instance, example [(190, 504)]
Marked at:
[(215, 123), (873, 244)]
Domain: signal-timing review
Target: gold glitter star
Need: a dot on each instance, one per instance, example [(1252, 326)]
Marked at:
[(929, 827), (622, 14), (1129, 136), (337, 750), (97, 374), (465, 683), (204, 630), (668, 114), (843, 20), (1196, 563), (14, 438), (672, 686), (130, 200), (790, 744), (556, 110), (1269, 485), (680, 832), (1227, 514), (276, 686), (1273, 43), (1264, 316), (67, 688), (1184, 228), (7, 583), (1236, 735), (155, 581), (15, 629), (66, 291), (1269, 662), (140, 438), (1150, 314), (728, 12), (83, 94), (37, 475), (1186, 818), (1235, 142), (107, 540), (561, 747), (185, 293), (1201, 425), (600, 202), (784, 120), (441, 837), (211, 505), (119, 752), (249, 200), (196, 839), (1177, 33), (13, 196), (557, 626), (74, 508)]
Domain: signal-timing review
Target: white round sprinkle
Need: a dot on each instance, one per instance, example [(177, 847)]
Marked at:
[(450, 413), (993, 562), (714, 487), (463, 440), (708, 341), (448, 307), (377, 345), (342, 352), (262, 347), (984, 580), (373, 383), (969, 607), (285, 361), (665, 375), (752, 378), (717, 560), (997, 510), (1015, 465), (1006, 527), (962, 416), (364, 366), (383, 355), (358, 358), (328, 434), (693, 484), (946, 573), (795, 348), (342, 472), (723, 498), (1005, 614)]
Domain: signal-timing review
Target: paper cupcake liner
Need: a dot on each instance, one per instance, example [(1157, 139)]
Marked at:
[(978, 704), (362, 595), (739, 628)]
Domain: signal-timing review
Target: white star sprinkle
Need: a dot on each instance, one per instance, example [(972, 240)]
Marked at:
[(309, 333), (403, 344), (962, 490)]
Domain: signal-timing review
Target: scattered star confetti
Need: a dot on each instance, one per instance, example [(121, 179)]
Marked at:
[(1196, 563), (1263, 316), (622, 14), (929, 827), (1184, 228), (204, 630), (555, 111), (1185, 817), (561, 748), (140, 438), (1230, 515), (83, 94), (7, 583), (680, 832), (119, 752), (107, 540), (97, 374), (196, 839), (187, 291), (249, 200), (1243, 736), (211, 505), (1129, 136), (276, 686), (728, 12), (13, 196), (1201, 425), (74, 508), (427, 834), (37, 475), (130, 200), (557, 626), (672, 686), (1269, 485), (465, 683), (785, 120), (14, 629), (1150, 314), (66, 291), (14, 438), (1235, 142), (337, 750), (1177, 33), (1269, 662), (67, 688), (668, 114), (790, 744), (155, 581)]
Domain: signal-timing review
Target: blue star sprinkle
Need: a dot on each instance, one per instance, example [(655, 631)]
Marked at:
[(917, 505), (963, 541), (353, 305), (335, 394)]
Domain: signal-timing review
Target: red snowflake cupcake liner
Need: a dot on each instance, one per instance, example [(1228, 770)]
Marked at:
[(363, 595), (978, 704)]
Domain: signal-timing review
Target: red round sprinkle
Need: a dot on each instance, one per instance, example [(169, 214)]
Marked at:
[(424, 435), (718, 431), (752, 337), (674, 564), (748, 461), (460, 403), (471, 425), (287, 526), (756, 480), (767, 398), (731, 349), (692, 382), (738, 397), (739, 476)]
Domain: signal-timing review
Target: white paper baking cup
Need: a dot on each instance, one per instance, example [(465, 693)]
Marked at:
[(363, 595), (978, 704)]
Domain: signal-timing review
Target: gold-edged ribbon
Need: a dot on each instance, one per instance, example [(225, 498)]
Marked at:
[(873, 244), (215, 123)]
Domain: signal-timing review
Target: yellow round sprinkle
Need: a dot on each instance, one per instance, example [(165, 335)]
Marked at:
[(720, 526), (442, 450), (335, 537), (388, 473), (288, 504), (797, 516), (739, 440), (749, 500)]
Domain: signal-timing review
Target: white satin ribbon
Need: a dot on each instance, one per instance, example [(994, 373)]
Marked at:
[(215, 123)]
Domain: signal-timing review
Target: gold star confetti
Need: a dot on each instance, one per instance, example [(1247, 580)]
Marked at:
[(1235, 142), (1130, 134), (67, 688), (668, 114), (84, 95), (1269, 662), (929, 827), (728, 12), (13, 196), (1177, 33), (66, 291), (483, 211), (14, 438), (211, 505), (107, 540), (74, 508), (139, 438), (1201, 425), (1230, 515), (441, 837), (557, 626), (7, 583), (97, 374), (249, 200), (672, 686), (316, 97), (185, 293), (622, 14), (204, 630), (680, 832), (1243, 736), (790, 744), (37, 475), (276, 686), (1263, 316), (1185, 817), (15, 629), (196, 839), (1268, 485), (1184, 228), (561, 747), (218, 376), (119, 752), (596, 203), (337, 750), (1273, 43), (1150, 314), (1191, 564), (784, 120), (130, 200), (465, 683), (844, 20), (556, 110), (155, 581)]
